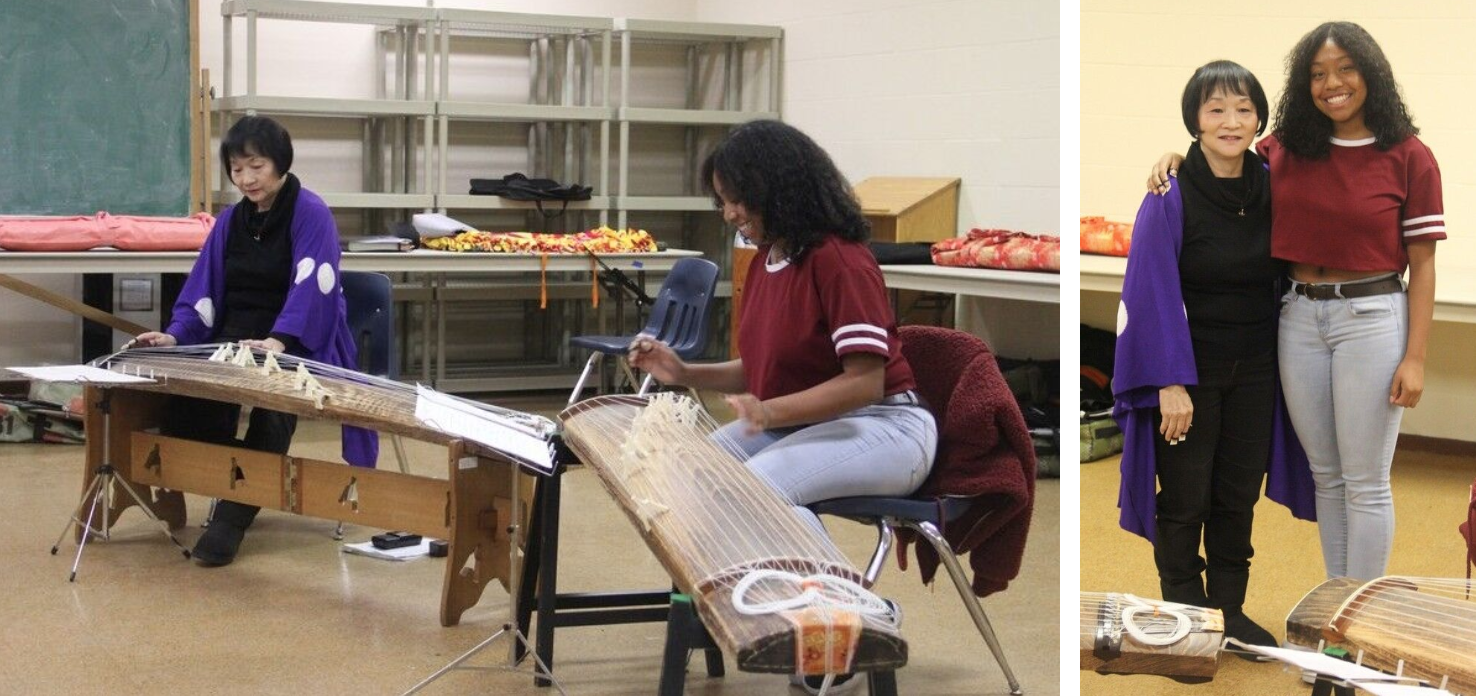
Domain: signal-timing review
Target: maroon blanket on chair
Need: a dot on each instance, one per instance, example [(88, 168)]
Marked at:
[(984, 453)]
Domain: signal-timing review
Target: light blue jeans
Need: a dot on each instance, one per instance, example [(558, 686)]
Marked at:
[(874, 450), (1338, 358)]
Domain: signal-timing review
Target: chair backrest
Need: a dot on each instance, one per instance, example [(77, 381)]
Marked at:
[(371, 320), (679, 312), (939, 358)]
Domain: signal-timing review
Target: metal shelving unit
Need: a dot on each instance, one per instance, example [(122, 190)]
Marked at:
[(404, 96), (568, 58), (725, 42), (568, 116)]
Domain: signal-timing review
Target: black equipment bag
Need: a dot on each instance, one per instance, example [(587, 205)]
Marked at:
[(517, 187)]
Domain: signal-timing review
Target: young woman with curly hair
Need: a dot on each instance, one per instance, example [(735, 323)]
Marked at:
[(824, 397), (1356, 201)]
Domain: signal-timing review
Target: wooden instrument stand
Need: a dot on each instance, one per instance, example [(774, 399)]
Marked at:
[(471, 509)]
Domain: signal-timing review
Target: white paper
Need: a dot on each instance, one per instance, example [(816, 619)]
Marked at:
[(432, 225), (440, 412), (85, 374), (1381, 689), (404, 553), (1322, 664)]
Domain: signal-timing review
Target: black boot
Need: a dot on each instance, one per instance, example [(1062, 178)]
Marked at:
[(1241, 628), (1190, 591), (218, 545)]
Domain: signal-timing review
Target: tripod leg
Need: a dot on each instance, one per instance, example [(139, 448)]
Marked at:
[(163, 526), (456, 662), (86, 530), (540, 667), (76, 517)]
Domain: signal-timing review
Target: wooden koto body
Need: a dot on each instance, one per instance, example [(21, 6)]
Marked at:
[(709, 521), (1107, 647), (470, 508), (1426, 624)]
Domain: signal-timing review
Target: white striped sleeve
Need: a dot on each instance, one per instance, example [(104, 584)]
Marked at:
[(867, 338), (1424, 225), (1422, 215)]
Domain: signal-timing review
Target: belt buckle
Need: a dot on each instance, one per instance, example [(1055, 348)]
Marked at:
[(906, 398), (1319, 291)]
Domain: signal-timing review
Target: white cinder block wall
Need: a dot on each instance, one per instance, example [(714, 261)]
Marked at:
[(967, 88), (1135, 60)]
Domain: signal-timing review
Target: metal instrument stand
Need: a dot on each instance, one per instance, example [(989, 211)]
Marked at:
[(100, 491), (518, 643)]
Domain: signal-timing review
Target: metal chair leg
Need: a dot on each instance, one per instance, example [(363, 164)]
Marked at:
[(630, 377), (399, 446), (584, 376), (961, 583), (884, 539)]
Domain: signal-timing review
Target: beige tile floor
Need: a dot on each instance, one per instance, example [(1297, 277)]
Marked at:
[(1431, 492), (293, 615)]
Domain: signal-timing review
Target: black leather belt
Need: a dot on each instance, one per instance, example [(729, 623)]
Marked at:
[(1333, 291)]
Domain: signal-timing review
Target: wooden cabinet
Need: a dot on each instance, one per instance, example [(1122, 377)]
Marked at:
[(910, 209)]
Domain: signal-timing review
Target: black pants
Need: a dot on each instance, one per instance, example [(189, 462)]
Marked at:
[(1210, 482), (216, 422)]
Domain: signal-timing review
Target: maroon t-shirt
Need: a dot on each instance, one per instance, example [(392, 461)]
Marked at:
[(1356, 209), (800, 318)]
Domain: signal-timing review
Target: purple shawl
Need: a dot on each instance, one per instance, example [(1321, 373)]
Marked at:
[(314, 312), (1154, 351)]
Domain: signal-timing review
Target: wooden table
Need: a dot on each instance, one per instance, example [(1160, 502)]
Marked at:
[(976, 282), (435, 265)]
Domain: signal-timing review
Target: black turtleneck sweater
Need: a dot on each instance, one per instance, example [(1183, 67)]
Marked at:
[(1225, 266)]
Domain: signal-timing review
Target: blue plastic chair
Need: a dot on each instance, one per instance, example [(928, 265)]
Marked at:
[(370, 305), (678, 317), (932, 349), (371, 319)]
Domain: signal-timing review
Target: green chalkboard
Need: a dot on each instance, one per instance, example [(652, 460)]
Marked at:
[(94, 107)]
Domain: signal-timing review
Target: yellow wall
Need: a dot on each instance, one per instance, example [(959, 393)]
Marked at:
[(1136, 57)]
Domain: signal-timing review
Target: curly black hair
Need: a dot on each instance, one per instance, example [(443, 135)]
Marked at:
[(780, 173), (1304, 130)]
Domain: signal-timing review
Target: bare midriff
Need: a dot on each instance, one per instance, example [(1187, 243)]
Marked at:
[(1310, 273)]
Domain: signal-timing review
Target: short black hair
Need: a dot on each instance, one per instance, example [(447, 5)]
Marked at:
[(1303, 129), (257, 135), (779, 172), (1225, 75)]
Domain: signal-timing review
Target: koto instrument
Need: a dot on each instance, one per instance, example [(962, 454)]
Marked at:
[(770, 586), (1125, 634), (470, 508), (1417, 627)]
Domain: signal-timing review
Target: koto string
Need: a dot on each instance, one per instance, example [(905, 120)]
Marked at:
[(1428, 624), (1097, 608), (1433, 614), (349, 392), (687, 486), (727, 539)]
